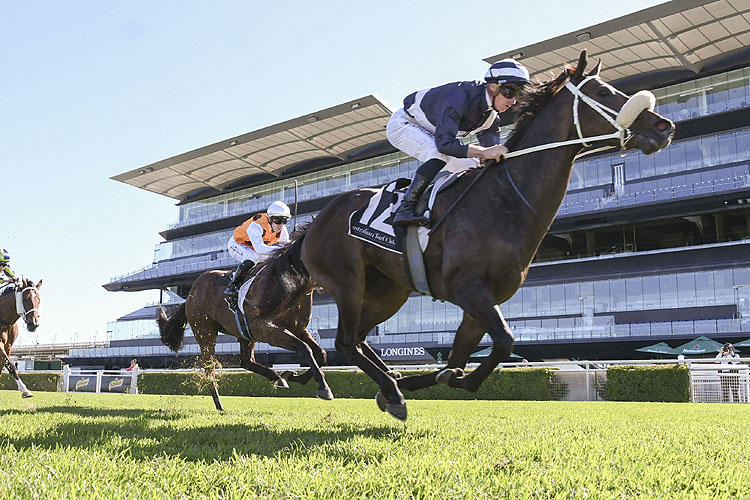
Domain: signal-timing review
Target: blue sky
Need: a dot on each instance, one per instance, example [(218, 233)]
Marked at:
[(91, 89)]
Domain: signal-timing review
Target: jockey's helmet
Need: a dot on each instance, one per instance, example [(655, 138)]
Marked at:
[(4, 256), (507, 71), (279, 209)]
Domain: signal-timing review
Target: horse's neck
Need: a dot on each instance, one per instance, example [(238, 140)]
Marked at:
[(8, 313), (543, 177)]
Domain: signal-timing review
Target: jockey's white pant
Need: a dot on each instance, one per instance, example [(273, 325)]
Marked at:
[(413, 139), (241, 253)]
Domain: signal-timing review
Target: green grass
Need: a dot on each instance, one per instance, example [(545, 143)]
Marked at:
[(140, 447)]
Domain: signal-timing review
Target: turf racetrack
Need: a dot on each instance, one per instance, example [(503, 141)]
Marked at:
[(140, 447)]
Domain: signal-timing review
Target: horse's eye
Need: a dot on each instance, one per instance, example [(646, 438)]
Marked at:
[(603, 92)]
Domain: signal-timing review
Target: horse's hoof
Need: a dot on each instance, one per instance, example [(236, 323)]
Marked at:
[(397, 411), (395, 375), (444, 376), (325, 394), (28, 394), (381, 401), (281, 384)]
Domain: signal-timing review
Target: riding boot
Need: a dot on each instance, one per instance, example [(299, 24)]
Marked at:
[(406, 214), (231, 292)]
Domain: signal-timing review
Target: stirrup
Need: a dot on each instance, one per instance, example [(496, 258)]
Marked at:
[(409, 218)]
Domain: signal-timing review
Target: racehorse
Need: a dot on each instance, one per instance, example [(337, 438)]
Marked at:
[(20, 300), (479, 254), (277, 308)]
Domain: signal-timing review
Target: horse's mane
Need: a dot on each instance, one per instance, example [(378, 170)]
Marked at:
[(6, 290), (530, 103), (285, 273)]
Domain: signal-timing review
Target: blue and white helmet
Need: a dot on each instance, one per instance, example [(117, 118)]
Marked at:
[(4, 256), (507, 71)]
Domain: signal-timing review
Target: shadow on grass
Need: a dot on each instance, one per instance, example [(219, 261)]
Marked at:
[(145, 434)]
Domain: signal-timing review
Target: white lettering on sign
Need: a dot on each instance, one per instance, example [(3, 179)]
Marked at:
[(402, 351)]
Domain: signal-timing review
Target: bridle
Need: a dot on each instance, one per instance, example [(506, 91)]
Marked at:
[(620, 120), (20, 307)]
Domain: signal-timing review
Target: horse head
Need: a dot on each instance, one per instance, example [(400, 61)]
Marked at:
[(27, 302), (599, 109)]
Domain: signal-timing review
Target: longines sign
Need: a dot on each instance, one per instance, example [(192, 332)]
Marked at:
[(405, 353)]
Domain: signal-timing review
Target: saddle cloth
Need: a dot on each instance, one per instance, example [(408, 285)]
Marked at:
[(373, 222), (242, 293)]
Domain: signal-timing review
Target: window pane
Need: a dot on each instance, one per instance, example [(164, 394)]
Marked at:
[(704, 288), (651, 292), (634, 291), (601, 296), (617, 295), (686, 290), (668, 290)]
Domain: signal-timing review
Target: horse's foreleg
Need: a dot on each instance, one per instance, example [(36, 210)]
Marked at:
[(5, 360), (304, 350), (247, 361), (320, 355), (480, 306), (467, 338)]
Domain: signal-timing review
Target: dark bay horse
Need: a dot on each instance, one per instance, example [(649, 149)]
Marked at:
[(278, 308), (20, 300), (480, 255)]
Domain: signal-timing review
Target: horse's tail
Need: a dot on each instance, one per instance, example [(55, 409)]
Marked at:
[(172, 327)]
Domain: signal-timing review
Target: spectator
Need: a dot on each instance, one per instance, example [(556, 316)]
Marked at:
[(133, 364), (730, 379)]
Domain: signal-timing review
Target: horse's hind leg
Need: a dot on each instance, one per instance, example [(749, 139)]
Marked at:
[(247, 361), (381, 301), (205, 331)]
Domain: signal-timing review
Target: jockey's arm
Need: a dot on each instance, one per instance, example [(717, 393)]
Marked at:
[(486, 153), (255, 235)]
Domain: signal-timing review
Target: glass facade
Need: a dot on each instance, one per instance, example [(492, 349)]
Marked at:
[(705, 96), (583, 299)]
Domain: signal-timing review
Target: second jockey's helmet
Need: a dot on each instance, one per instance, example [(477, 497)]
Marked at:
[(507, 71), (4, 256), (279, 209)]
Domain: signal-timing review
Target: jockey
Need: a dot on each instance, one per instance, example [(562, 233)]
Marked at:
[(5, 269), (255, 240), (432, 121)]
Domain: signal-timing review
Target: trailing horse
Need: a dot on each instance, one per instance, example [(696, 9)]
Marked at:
[(277, 309), (480, 253), (19, 301)]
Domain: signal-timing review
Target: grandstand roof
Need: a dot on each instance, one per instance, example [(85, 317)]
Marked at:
[(324, 137), (681, 38)]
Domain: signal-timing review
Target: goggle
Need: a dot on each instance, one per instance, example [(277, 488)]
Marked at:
[(279, 220), (509, 91)]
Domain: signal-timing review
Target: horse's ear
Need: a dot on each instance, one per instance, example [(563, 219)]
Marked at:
[(39, 285), (578, 75), (597, 69)]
